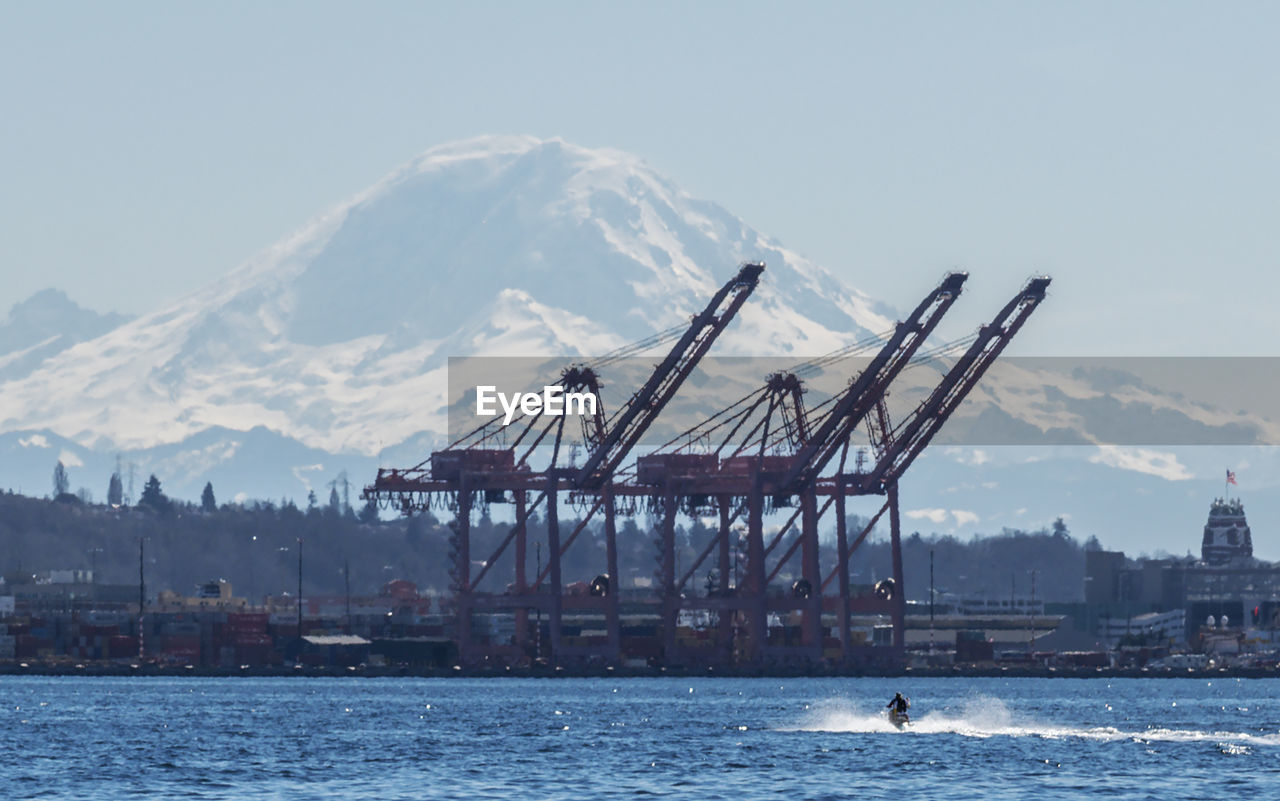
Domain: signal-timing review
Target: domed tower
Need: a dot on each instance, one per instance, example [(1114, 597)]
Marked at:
[(1226, 536)]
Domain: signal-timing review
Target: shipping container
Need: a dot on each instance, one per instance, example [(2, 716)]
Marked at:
[(745, 465), (448, 465), (247, 622), (656, 467), (122, 647)]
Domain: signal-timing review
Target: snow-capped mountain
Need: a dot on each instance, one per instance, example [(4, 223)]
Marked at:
[(329, 351), (337, 337)]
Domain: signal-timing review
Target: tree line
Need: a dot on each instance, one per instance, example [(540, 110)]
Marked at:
[(254, 545)]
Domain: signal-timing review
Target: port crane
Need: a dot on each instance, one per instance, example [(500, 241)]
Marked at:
[(753, 479), (897, 447), (472, 467), (743, 469)]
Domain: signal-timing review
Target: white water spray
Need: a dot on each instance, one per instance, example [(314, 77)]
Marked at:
[(990, 717)]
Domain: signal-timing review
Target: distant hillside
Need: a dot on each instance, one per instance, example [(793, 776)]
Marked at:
[(254, 547), (989, 566)]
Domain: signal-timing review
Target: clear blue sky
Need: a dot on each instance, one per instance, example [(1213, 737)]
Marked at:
[(1130, 149)]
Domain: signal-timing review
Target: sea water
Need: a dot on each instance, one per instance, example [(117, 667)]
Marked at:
[(706, 738)]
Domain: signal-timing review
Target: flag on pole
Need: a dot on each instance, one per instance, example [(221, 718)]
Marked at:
[(1231, 478)]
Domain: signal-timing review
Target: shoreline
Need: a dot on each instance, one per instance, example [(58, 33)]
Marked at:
[(171, 671)]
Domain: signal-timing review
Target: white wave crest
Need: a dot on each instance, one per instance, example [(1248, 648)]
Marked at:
[(990, 717)]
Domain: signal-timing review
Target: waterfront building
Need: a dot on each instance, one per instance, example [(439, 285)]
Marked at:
[(1227, 581), (1227, 538), (1151, 629)]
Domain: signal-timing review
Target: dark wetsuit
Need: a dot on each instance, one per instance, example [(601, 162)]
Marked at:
[(899, 704)]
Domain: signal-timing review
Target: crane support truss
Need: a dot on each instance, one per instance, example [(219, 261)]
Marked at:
[(472, 470), (753, 485), (772, 456)]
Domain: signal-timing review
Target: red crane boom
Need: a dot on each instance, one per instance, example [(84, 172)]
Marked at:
[(644, 406), (963, 376), (871, 384)]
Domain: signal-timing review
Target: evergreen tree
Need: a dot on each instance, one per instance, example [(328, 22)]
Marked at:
[(207, 502), (152, 496), (115, 490), (311, 501), (335, 503), (1060, 529), (61, 484)]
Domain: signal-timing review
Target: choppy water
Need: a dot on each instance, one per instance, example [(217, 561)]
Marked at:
[(295, 738)]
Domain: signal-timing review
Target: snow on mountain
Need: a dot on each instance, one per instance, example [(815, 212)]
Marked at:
[(44, 325), (338, 336)]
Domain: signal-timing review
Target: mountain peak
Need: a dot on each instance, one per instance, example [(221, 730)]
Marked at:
[(508, 146), (46, 305), (46, 323), (338, 336)]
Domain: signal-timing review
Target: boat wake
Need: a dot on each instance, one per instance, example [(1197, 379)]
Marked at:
[(989, 717)]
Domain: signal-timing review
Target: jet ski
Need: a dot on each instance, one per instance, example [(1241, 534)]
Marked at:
[(900, 720), (898, 711)]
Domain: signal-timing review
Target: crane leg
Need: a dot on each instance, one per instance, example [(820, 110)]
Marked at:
[(811, 618), (724, 638), (899, 591), (613, 627), (757, 614), (842, 574), (553, 547)]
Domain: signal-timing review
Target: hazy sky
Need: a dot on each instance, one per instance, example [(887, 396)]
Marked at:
[(1130, 149)]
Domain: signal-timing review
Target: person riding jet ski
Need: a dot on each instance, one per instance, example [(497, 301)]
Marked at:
[(898, 707)]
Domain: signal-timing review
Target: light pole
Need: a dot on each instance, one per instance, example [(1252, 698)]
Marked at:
[(931, 603), (142, 600), (93, 565), (537, 633), (346, 584), (253, 584), (1031, 612), (299, 593)]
